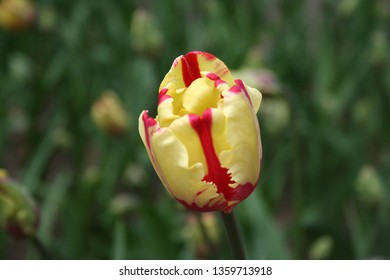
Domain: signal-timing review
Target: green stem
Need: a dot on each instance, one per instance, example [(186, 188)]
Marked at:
[(40, 247), (233, 234)]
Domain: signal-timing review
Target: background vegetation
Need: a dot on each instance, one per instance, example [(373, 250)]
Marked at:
[(324, 188)]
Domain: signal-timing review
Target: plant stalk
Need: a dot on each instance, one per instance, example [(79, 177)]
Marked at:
[(40, 247), (233, 234)]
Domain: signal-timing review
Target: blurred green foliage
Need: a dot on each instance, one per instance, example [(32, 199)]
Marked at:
[(324, 187)]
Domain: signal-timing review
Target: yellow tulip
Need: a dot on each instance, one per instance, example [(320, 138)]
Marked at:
[(16, 14), (109, 114), (18, 212), (205, 141)]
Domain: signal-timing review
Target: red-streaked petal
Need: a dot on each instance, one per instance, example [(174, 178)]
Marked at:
[(187, 68), (243, 137)]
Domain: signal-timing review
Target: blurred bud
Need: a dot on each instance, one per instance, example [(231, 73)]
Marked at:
[(379, 46), (62, 138), (3, 175), (321, 248), (255, 56), (109, 115), (18, 214), (91, 175), (20, 66), (47, 19), (16, 14), (347, 7), (364, 113), (122, 204), (202, 233), (18, 120), (275, 114), (134, 174), (369, 186), (381, 10), (262, 79), (145, 35), (329, 104)]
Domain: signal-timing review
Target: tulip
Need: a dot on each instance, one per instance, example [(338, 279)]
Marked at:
[(144, 32), (16, 14), (109, 114), (205, 141), (18, 213)]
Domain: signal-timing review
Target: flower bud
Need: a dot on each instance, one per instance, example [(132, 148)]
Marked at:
[(145, 36), (321, 248), (16, 14), (347, 7), (47, 20), (123, 203), (263, 79), (109, 115), (18, 214), (205, 141), (275, 114), (369, 186), (379, 47)]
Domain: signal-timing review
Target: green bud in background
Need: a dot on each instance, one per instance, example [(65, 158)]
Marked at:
[(321, 248), (122, 204), (347, 7), (145, 35), (47, 19), (379, 47), (18, 214), (20, 66), (369, 187), (275, 113)]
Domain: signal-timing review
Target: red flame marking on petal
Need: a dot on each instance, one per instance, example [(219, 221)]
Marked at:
[(148, 122), (212, 76), (162, 96), (242, 86), (215, 173), (190, 68), (208, 56)]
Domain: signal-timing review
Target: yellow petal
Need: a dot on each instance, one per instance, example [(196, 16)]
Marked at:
[(200, 96), (187, 68), (184, 132), (252, 94), (184, 182), (243, 136), (177, 157)]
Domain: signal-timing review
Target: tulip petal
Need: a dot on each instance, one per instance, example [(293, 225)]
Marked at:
[(183, 131), (251, 93), (178, 160), (201, 95), (187, 68), (244, 157), (166, 113)]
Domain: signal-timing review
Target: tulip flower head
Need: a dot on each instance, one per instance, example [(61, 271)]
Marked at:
[(109, 114), (205, 141), (18, 213), (16, 14)]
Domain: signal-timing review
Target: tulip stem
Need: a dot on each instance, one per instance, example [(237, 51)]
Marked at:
[(40, 247), (233, 234)]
